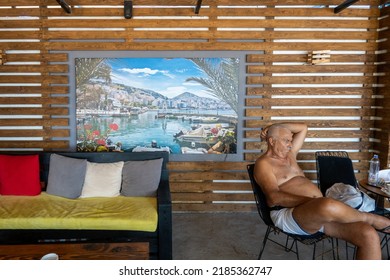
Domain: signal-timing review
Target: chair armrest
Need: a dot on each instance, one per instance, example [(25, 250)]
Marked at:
[(164, 205), (163, 191)]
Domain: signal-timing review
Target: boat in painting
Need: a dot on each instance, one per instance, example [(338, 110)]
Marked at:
[(200, 135)]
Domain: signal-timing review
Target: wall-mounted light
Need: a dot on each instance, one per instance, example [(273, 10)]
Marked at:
[(318, 57), (65, 6), (128, 9)]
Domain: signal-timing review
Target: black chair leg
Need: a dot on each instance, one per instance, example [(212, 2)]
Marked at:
[(347, 246), (336, 255), (384, 242), (314, 251), (264, 242), (288, 248), (296, 249)]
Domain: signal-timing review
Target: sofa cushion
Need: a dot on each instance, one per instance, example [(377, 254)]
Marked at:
[(94, 213), (66, 176), (141, 178), (19, 175), (102, 179)]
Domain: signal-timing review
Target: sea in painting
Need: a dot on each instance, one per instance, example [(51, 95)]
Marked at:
[(179, 105)]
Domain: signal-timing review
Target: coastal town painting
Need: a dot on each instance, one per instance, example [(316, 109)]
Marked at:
[(178, 105)]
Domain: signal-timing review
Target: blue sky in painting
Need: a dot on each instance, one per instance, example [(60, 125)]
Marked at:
[(164, 75)]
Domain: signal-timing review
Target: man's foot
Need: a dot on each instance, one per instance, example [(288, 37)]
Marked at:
[(385, 229), (380, 223)]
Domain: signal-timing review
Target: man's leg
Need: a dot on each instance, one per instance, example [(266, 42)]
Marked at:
[(314, 214), (360, 234), (343, 222)]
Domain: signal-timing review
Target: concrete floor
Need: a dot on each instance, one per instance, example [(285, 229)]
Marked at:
[(232, 236)]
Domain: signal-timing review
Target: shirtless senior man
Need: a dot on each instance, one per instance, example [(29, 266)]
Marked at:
[(298, 205)]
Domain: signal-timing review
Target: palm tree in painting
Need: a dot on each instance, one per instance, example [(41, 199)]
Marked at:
[(88, 69), (92, 137), (92, 68), (222, 78)]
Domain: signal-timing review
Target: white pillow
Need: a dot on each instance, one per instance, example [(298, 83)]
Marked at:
[(102, 179)]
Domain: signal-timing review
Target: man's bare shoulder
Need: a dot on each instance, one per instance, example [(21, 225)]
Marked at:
[(263, 167), (263, 160)]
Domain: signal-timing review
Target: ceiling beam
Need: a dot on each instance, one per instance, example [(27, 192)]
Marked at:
[(65, 6), (198, 5), (344, 5)]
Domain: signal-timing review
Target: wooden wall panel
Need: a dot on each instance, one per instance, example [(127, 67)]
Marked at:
[(383, 102), (210, 186), (339, 100)]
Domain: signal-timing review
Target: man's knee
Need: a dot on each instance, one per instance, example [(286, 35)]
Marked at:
[(328, 206), (366, 234), (368, 231)]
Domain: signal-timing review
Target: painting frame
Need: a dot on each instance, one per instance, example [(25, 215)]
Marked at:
[(168, 55)]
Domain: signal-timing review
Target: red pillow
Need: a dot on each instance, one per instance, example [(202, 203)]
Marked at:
[(19, 175)]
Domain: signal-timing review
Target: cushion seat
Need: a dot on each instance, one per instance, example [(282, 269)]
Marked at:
[(47, 211)]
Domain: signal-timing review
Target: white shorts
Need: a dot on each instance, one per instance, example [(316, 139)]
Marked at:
[(284, 220)]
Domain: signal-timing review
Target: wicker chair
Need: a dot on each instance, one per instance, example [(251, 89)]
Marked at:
[(264, 213)]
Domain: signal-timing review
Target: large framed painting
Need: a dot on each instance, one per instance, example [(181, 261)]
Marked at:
[(183, 105)]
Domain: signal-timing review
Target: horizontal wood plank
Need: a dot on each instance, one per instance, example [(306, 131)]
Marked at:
[(77, 251)]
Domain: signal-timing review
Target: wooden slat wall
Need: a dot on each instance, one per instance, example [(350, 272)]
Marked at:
[(336, 99), (383, 104)]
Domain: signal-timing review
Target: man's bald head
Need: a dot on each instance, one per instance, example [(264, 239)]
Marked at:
[(274, 130)]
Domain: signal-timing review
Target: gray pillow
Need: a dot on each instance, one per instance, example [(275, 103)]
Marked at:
[(141, 178), (66, 176)]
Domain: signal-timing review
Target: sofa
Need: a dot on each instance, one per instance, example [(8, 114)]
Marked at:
[(79, 199)]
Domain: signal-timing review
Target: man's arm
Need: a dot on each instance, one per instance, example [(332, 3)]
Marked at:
[(299, 131)]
